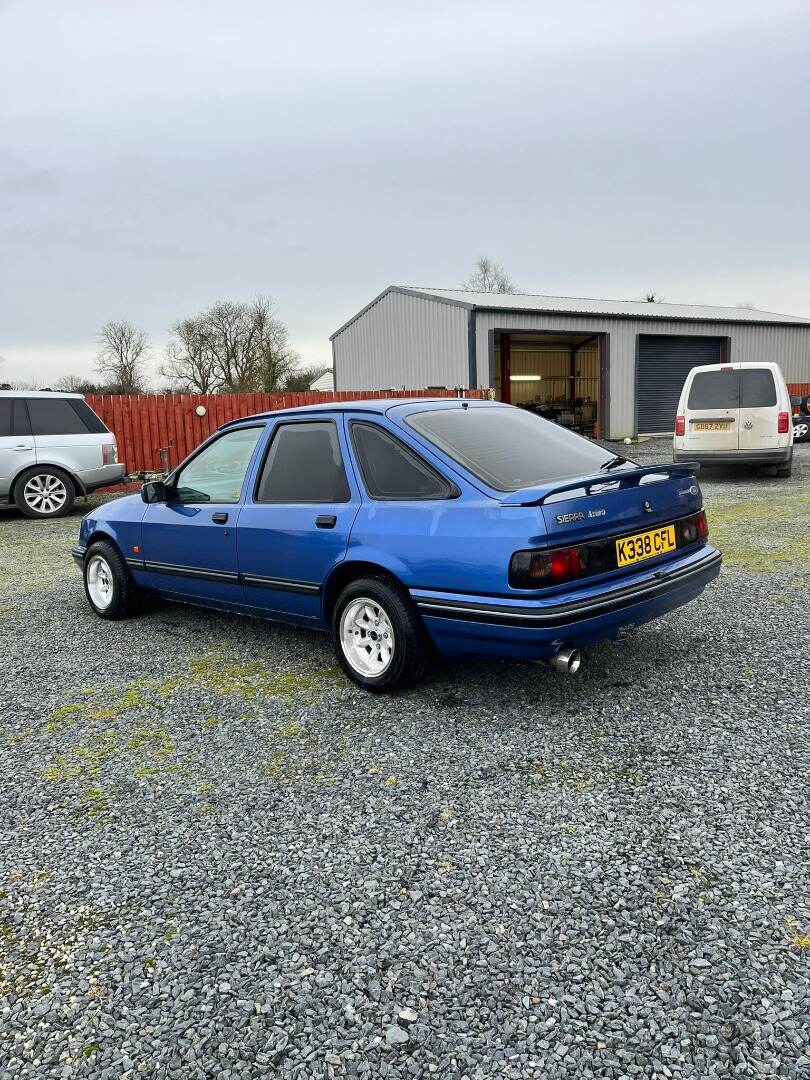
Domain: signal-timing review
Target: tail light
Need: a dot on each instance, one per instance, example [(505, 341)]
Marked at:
[(109, 454), (783, 424), (680, 425), (556, 566)]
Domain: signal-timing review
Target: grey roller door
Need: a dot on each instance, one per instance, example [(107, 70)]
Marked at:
[(663, 364)]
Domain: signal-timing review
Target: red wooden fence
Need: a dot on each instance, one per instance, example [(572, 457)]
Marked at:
[(143, 424)]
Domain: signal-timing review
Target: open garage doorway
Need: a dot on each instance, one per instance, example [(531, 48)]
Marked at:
[(559, 376)]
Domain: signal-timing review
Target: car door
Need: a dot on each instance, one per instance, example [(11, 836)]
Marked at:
[(759, 411), (188, 543), (295, 526), (17, 449), (712, 411)]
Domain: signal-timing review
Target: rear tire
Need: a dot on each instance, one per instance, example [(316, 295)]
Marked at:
[(379, 639), (44, 492), (108, 584)]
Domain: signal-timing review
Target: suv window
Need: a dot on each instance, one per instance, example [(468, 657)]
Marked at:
[(13, 417), (757, 388), (392, 471), (304, 465), (55, 416), (715, 390), (508, 448), (218, 472)]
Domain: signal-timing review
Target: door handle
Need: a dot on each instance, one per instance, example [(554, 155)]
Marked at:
[(220, 517), (326, 521), (23, 448)]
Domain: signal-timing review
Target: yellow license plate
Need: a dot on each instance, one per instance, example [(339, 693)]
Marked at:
[(697, 426), (646, 545)]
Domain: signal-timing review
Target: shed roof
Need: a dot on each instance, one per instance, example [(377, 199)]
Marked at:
[(577, 305)]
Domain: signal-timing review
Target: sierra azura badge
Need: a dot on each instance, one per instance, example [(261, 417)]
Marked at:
[(578, 515)]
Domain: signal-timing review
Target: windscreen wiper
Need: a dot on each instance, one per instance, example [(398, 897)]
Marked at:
[(611, 463)]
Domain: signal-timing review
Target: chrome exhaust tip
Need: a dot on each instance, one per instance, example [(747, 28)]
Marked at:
[(567, 660)]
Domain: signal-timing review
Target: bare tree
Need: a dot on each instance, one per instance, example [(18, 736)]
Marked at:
[(652, 297), (77, 384), (302, 378), (489, 277), (232, 347), (188, 364), (123, 355)]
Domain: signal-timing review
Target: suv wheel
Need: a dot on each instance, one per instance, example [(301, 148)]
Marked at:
[(44, 492), (110, 590), (801, 430), (379, 639)]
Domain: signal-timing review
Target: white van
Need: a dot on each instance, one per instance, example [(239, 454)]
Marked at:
[(733, 414)]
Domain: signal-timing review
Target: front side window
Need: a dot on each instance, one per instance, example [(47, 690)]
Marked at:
[(757, 388), (508, 448), (715, 390), (218, 472), (391, 471), (304, 465)]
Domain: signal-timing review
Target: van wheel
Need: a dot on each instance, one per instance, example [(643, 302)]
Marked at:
[(44, 492), (108, 585), (379, 640)]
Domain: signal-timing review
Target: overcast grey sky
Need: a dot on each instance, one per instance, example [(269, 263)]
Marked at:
[(159, 155)]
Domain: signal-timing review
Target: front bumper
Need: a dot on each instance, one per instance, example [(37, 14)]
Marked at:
[(78, 555), (780, 456), (532, 629)]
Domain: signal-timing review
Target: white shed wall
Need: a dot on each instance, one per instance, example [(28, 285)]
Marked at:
[(405, 342), (789, 346)]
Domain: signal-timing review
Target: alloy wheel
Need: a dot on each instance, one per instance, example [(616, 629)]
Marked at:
[(367, 637), (45, 493), (99, 577)]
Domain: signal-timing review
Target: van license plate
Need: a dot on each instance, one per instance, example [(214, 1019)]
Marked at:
[(698, 426), (646, 545)]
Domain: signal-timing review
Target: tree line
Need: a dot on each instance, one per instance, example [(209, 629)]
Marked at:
[(229, 348)]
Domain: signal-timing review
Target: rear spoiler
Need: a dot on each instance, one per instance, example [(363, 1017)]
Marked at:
[(536, 496)]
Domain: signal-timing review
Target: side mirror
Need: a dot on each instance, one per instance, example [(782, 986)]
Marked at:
[(155, 491), (796, 399)]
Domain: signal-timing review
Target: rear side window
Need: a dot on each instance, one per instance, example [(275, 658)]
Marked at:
[(13, 417), (304, 465), (757, 388), (60, 416), (391, 471), (715, 390)]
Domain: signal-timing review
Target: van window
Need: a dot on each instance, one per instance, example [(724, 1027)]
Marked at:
[(715, 390), (757, 388)]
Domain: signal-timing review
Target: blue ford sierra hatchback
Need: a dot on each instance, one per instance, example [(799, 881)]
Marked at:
[(408, 528)]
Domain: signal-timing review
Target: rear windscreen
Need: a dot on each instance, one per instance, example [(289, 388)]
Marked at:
[(508, 448), (715, 390), (757, 389), (746, 388)]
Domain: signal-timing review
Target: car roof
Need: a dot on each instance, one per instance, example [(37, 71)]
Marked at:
[(370, 405), (38, 393)]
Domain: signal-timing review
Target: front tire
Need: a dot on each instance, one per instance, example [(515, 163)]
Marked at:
[(378, 637), (44, 492), (108, 585)]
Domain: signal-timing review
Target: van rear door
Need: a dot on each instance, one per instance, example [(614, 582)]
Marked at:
[(759, 411), (712, 411)]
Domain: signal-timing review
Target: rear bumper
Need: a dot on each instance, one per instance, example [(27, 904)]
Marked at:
[(781, 456), (532, 629), (106, 476)]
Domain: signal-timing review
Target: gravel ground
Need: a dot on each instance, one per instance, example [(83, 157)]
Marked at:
[(219, 859)]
